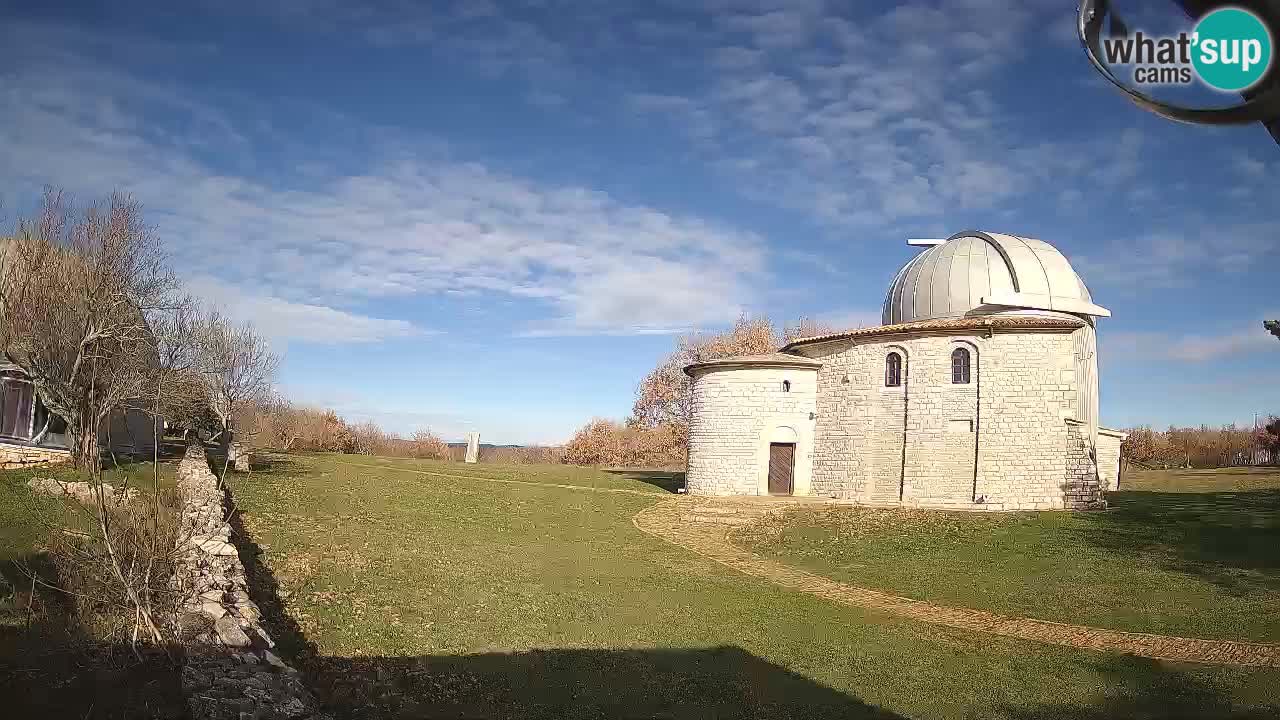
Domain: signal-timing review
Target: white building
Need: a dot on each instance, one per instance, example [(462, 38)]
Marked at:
[(979, 391)]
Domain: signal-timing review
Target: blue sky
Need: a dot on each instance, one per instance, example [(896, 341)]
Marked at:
[(497, 216)]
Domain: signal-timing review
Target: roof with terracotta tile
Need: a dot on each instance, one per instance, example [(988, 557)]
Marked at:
[(771, 360), (979, 322)]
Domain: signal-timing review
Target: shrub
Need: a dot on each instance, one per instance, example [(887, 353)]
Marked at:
[(605, 442)]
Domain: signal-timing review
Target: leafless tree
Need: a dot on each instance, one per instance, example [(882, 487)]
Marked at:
[(80, 297), (237, 366), (75, 293)]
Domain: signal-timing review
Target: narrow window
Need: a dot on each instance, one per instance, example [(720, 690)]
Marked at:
[(786, 386), (960, 366), (893, 370)]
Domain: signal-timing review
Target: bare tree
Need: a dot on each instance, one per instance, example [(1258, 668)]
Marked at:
[(663, 397), (81, 297), (75, 293), (237, 366)]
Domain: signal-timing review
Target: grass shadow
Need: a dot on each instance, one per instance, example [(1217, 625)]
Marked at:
[(718, 682), (51, 667), (1141, 689), (669, 480), (1227, 538)]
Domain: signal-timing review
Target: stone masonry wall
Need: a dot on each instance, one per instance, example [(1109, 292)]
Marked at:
[(734, 413), (1028, 391), (16, 456), (231, 672), (1007, 426)]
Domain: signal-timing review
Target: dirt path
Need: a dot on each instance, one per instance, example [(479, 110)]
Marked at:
[(669, 520)]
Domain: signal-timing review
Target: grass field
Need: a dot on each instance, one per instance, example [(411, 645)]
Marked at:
[(1189, 553), (415, 588)]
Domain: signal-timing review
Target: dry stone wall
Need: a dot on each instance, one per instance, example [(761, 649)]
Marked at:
[(231, 672), (84, 492)]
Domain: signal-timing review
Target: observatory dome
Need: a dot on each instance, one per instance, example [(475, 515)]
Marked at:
[(980, 273)]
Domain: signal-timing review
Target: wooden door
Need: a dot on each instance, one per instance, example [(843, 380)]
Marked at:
[(782, 458)]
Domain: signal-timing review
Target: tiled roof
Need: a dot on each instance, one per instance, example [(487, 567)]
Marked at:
[(776, 359), (980, 322)]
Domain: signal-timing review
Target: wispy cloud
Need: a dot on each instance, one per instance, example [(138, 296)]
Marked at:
[(391, 217), (1176, 256), (1188, 347), (283, 320)]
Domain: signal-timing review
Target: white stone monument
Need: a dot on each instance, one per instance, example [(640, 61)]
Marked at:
[(473, 447)]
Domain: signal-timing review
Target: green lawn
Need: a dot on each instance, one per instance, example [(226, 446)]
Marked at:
[(408, 594), (1190, 553)]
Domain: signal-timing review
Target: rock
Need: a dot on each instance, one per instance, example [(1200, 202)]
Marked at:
[(275, 661), (229, 632), (213, 545), (293, 708), (265, 637), (214, 610)]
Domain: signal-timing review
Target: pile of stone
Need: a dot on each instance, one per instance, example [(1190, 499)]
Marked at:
[(231, 671), (82, 491)]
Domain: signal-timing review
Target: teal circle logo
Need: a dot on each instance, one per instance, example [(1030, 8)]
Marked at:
[(1232, 49)]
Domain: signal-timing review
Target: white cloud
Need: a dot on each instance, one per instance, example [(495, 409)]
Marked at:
[(1188, 347), (282, 320), (398, 219), (1172, 257)]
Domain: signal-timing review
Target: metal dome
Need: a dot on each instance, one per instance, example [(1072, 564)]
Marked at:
[(979, 273)]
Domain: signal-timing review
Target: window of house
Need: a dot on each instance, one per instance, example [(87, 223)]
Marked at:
[(893, 370), (786, 386), (960, 366), (16, 400)]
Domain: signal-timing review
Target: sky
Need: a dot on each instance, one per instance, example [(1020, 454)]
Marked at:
[(497, 217)]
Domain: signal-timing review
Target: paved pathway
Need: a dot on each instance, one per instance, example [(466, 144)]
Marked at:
[(670, 521)]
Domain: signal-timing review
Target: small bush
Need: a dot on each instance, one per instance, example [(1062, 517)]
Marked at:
[(142, 547), (605, 442)]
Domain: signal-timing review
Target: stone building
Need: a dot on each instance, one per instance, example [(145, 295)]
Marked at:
[(979, 391), (30, 434)]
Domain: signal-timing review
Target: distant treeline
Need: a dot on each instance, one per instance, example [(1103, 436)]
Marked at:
[(1204, 447)]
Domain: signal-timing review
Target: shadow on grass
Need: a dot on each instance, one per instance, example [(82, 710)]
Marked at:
[(1227, 538), (50, 667), (720, 682), (1141, 689), (669, 480)]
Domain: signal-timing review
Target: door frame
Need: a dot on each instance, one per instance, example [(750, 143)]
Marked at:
[(791, 475)]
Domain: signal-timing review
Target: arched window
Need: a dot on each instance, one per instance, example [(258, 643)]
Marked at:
[(786, 386), (960, 366), (893, 370)]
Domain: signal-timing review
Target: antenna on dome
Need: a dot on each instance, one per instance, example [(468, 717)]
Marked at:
[(925, 242)]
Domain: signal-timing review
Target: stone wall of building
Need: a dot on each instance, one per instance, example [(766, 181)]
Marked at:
[(231, 672), (736, 413), (16, 456), (1000, 440)]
